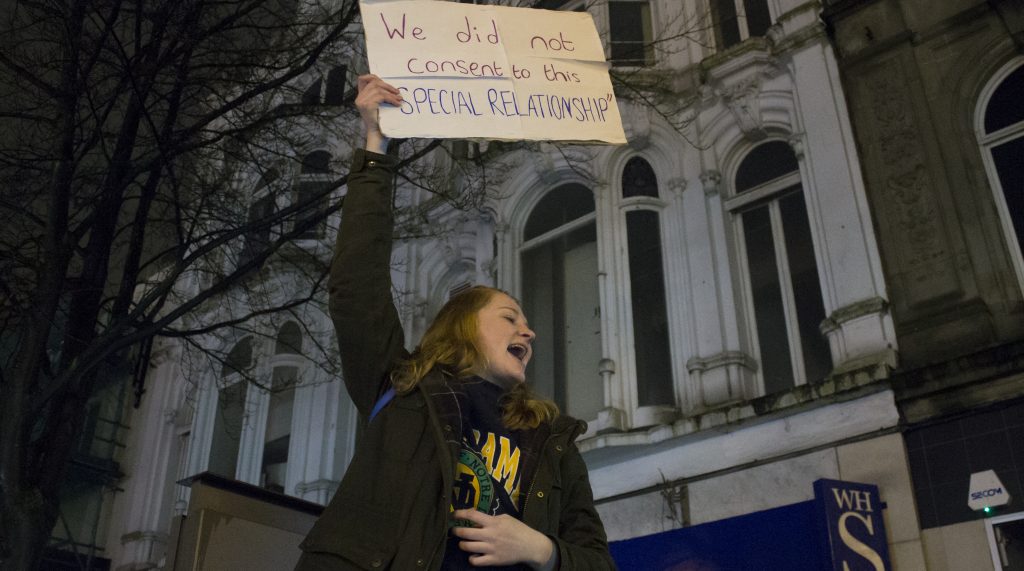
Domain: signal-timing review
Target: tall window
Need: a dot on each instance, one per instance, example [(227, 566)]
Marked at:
[(313, 181), (560, 298), (647, 285), (630, 36), (1002, 140), (257, 239), (737, 20), (231, 410), (783, 291), (277, 437)]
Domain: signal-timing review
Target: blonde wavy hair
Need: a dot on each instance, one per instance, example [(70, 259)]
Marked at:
[(450, 344)]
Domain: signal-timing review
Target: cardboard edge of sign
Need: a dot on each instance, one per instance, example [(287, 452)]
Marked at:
[(617, 141)]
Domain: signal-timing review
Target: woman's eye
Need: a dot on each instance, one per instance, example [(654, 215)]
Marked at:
[(510, 319)]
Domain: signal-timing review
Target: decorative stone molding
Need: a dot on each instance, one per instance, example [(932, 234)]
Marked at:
[(501, 229), (677, 185), (865, 369), (723, 359), (490, 268), (737, 79), (866, 307), (796, 142), (610, 420), (319, 491), (722, 376), (544, 167), (710, 181), (911, 216), (419, 306), (160, 354), (142, 550), (636, 122), (774, 34), (744, 103)]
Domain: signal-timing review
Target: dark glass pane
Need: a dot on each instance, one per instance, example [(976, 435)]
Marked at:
[(758, 17), (311, 193), (630, 33), (239, 359), (769, 315), (543, 299), (1009, 162), (335, 93), (317, 162), (638, 179), (312, 94), (1006, 107), (803, 272), (277, 437), (766, 162), (227, 429), (650, 316), (268, 178), (257, 239), (289, 339), (727, 28), (560, 298), (563, 204)]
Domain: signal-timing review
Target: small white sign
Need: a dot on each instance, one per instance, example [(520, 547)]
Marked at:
[(491, 72), (986, 491)]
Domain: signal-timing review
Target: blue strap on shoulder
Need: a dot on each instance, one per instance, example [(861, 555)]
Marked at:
[(382, 402)]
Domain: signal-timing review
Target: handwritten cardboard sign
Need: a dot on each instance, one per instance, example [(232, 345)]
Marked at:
[(491, 72)]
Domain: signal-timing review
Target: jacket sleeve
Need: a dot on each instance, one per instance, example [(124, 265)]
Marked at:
[(581, 541), (370, 336)]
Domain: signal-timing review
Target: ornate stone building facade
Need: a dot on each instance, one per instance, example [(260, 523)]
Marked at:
[(805, 262)]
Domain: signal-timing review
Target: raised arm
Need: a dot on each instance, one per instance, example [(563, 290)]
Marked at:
[(369, 332)]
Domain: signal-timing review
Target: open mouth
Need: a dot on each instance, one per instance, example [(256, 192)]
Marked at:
[(518, 351)]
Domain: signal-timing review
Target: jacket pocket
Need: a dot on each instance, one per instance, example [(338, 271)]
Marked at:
[(359, 532)]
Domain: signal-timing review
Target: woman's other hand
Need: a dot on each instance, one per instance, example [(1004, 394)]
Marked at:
[(372, 92), (502, 540)]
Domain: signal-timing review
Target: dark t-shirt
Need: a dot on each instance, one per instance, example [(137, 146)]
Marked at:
[(488, 475)]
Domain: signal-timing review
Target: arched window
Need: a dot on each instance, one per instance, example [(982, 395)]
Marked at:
[(647, 286), (560, 298), (289, 339), (1002, 141), (313, 180), (783, 291), (229, 417)]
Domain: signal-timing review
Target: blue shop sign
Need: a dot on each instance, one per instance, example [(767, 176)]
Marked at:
[(841, 529)]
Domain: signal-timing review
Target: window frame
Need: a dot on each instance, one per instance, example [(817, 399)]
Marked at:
[(742, 26), (256, 409), (523, 246), (644, 414), (767, 194), (649, 51), (986, 143)]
